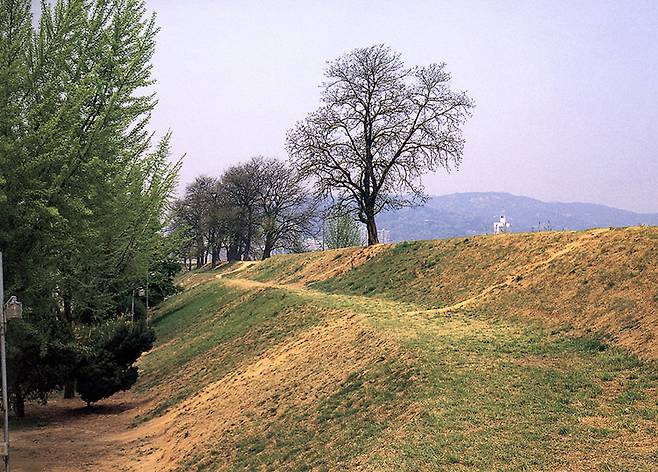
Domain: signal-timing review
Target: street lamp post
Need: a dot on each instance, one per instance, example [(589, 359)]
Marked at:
[(147, 295), (12, 310)]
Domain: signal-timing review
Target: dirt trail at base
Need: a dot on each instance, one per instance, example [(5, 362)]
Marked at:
[(64, 436)]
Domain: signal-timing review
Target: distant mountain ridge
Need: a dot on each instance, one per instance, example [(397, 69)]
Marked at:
[(464, 214)]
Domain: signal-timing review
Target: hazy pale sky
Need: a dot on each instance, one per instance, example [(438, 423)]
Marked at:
[(566, 91)]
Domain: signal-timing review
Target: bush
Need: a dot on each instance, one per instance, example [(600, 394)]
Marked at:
[(106, 364)]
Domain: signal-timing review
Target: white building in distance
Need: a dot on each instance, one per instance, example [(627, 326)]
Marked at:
[(312, 244), (384, 235), (502, 225)]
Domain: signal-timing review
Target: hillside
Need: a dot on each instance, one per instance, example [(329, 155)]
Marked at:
[(466, 214), (512, 352)]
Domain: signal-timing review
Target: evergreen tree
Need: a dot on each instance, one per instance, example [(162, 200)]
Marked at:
[(106, 362)]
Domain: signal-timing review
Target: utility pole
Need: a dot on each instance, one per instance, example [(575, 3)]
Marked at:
[(13, 309), (5, 403)]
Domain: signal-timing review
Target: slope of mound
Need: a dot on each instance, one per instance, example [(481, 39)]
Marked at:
[(419, 356), (267, 375), (603, 281)]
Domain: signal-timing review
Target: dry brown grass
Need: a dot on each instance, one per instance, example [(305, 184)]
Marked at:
[(597, 281), (293, 374)]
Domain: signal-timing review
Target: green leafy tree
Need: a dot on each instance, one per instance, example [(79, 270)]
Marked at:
[(342, 231), (84, 189)]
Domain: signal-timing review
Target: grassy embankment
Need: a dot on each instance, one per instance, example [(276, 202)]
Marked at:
[(521, 352)]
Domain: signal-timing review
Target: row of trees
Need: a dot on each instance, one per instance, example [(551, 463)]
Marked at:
[(380, 128), (248, 212), (84, 191)]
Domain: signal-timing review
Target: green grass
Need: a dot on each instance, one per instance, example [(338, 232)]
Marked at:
[(438, 273), (480, 389), (221, 327), (512, 398), (326, 435), (485, 394)]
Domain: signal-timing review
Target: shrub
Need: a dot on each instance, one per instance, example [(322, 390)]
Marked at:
[(106, 364)]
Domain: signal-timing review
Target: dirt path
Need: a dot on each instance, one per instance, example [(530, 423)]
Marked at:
[(65, 436), (299, 287)]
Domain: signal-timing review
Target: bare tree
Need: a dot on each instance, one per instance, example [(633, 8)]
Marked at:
[(218, 221), (287, 208), (380, 127), (241, 187), (192, 211)]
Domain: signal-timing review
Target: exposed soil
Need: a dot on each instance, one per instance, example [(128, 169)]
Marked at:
[(67, 436), (290, 375)]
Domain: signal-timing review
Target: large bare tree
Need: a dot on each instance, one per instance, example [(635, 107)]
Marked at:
[(288, 211), (241, 187), (380, 127)]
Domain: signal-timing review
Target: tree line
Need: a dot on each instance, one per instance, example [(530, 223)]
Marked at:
[(248, 212), (381, 126), (85, 190)]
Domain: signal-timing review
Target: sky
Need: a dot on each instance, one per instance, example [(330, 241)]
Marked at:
[(566, 91)]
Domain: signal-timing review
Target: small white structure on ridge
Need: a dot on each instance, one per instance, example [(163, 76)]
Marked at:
[(384, 236), (502, 225)]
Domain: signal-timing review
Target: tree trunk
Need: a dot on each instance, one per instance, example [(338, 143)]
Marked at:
[(232, 253), (246, 256), (18, 401), (371, 225), (269, 245), (68, 312), (69, 387), (200, 252), (214, 257)]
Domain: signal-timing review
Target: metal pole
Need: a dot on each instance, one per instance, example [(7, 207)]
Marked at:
[(5, 403), (147, 294)]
